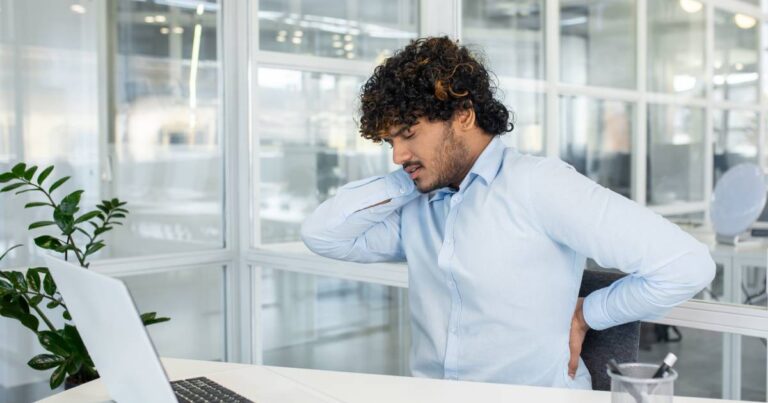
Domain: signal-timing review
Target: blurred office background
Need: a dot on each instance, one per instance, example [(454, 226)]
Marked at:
[(224, 123)]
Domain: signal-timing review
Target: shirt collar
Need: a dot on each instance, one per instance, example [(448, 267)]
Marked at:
[(486, 166)]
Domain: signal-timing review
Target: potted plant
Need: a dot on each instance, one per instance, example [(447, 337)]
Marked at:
[(23, 295)]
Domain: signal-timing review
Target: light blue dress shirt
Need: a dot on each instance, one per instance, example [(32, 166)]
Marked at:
[(495, 267)]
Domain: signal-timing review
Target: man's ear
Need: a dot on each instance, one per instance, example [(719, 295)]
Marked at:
[(465, 119)]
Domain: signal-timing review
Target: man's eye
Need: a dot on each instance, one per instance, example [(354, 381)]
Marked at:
[(409, 135)]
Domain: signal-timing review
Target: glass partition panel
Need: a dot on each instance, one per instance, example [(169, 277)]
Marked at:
[(355, 29), (597, 42), (308, 147), (736, 57), (596, 138), (675, 170), (321, 322), (676, 47), (508, 33), (736, 139), (159, 148), (702, 360), (527, 113), (194, 300), (166, 156)]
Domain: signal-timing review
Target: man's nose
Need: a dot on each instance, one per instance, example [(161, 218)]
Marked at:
[(400, 153)]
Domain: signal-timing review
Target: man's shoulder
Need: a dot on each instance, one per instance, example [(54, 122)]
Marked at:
[(519, 166)]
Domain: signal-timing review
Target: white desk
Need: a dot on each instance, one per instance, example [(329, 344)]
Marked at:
[(351, 387)]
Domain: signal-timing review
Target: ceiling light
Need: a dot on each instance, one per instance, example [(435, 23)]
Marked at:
[(77, 8), (296, 40), (149, 19), (347, 38), (178, 30), (744, 21), (349, 47), (298, 34), (690, 6), (200, 9), (280, 38), (337, 44), (159, 18), (165, 30), (738, 66)]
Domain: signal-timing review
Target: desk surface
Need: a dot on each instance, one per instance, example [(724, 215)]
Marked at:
[(352, 387)]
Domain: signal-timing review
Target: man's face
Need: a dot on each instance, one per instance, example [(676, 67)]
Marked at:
[(431, 153)]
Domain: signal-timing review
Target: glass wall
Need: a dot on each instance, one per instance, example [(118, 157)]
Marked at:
[(596, 139), (159, 149), (675, 154), (597, 43), (328, 323)]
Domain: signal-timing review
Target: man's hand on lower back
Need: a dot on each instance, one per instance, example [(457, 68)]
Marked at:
[(579, 329)]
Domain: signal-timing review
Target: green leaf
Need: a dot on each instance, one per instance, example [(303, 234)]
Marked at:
[(34, 301), (72, 336), (37, 204), (65, 222), (58, 375), (12, 187), (69, 203), (118, 215), (45, 361), (44, 175), (7, 176), (54, 342), (66, 315), (49, 286), (30, 173), (57, 184), (150, 318), (14, 307), (52, 304), (48, 242), (19, 169), (73, 365), (93, 248), (6, 252), (87, 216), (40, 224), (27, 190), (33, 279), (18, 281)]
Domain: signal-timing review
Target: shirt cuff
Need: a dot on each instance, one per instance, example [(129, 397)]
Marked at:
[(399, 184), (595, 313)]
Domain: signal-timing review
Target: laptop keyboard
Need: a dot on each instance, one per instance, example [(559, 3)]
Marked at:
[(204, 390)]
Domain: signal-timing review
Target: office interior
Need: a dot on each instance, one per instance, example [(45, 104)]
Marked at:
[(224, 123)]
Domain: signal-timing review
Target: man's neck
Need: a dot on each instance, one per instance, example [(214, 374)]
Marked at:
[(476, 148)]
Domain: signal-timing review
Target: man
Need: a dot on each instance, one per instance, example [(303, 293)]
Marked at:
[(496, 241)]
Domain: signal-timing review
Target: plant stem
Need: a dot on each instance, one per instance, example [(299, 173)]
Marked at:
[(40, 313), (47, 297)]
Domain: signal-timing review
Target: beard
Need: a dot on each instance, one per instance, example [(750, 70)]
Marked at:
[(450, 164)]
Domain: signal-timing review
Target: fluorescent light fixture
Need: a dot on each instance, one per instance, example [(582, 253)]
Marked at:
[(690, 6), (193, 67), (349, 47), (149, 19), (200, 9), (744, 21), (165, 30), (298, 34), (280, 38), (296, 40), (178, 30), (337, 44), (77, 8), (160, 18)]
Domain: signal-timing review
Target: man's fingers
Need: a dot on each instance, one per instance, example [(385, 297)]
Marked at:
[(573, 363)]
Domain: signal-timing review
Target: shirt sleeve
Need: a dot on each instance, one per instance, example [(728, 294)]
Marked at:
[(667, 266), (345, 227)]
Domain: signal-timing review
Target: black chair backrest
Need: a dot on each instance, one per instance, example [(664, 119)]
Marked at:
[(621, 342)]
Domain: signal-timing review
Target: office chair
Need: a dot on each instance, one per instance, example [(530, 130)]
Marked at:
[(621, 343)]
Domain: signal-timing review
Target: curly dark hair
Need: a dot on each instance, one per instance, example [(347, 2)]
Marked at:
[(432, 78)]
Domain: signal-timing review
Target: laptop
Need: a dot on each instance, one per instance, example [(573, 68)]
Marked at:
[(111, 328)]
